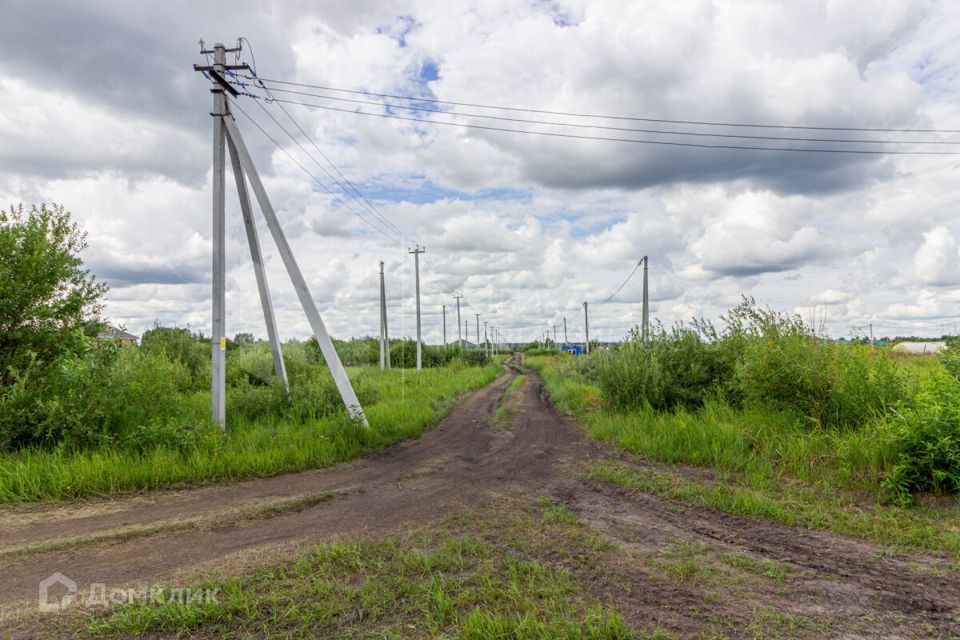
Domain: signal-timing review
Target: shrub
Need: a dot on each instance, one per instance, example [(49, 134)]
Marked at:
[(671, 369), (48, 301), (104, 396), (183, 347), (927, 438)]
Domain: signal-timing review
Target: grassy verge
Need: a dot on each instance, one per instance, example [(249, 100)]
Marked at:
[(405, 404), (440, 584), (797, 505), (767, 464)]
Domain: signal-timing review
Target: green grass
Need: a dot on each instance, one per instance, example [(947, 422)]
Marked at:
[(502, 415), (766, 464), (796, 504), (433, 585), (405, 404)]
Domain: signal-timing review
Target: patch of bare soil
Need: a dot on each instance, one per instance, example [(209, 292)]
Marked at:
[(685, 569)]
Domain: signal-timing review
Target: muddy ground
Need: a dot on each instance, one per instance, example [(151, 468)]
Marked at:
[(811, 584)]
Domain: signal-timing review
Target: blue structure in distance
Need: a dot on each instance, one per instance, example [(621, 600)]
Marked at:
[(572, 349)]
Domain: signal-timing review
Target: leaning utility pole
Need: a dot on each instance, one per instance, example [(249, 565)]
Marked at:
[(226, 134), (444, 325), (478, 328), (459, 336), (416, 251), (586, 329), (645, 329), (384, 335)]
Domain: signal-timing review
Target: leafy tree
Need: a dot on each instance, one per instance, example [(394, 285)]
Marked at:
[(48, 301)]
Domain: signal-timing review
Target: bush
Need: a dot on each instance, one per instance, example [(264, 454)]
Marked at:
[(104, 396), (49, 304), (183, 347), (759, 357), (669, 370), (927, 438)]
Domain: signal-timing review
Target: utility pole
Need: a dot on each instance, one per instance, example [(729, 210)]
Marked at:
[(416, 251), (384, 335), (257, 258), (645, 329), (226, 134), (555, 336), (564, 330), (339, 374), (586, 328), (444, 325), (459, 337), (486, 344), (466, 328), (219, 342), (478, 328), (871, 335)]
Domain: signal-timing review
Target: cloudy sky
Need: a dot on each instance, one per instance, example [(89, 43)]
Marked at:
[(101, 111)]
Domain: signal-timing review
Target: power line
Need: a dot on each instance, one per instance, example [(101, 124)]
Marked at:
[(612, 128), (667, 143), (620, 288), (356, 195), (361, 200), (309, 174), (610, 117)]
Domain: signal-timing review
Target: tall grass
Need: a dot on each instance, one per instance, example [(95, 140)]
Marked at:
[(402, 404), (760, 441)]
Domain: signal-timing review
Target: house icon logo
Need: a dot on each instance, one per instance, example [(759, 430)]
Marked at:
[(50, 587)]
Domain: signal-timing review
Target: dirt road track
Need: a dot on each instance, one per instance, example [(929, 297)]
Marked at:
[(459, 465)]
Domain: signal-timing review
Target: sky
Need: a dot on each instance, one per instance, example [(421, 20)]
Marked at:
[(102, 112)]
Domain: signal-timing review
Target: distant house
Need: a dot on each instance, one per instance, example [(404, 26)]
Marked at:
[(466, 344), (118, 335), (920, 348)]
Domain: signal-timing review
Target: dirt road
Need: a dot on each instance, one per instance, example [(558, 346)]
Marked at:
[(847, 587)]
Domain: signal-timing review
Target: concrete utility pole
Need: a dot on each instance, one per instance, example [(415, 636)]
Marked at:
[(586, 329), (466, 329), (226, 134), (554, 336), (459, 336), (486, 343), (444, 325), (296, 276), (478, 328), (564, 330), (219, 341), (254, 241), (416, 251), (384, 335), (645, 329)]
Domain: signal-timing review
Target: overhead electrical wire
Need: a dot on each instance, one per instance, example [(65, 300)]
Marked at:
[(309, 173), (355, 194), (611, 117), (667, 143), (612, 128), (620, 288)]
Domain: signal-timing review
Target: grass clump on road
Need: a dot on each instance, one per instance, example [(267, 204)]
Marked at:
[(438, 585)]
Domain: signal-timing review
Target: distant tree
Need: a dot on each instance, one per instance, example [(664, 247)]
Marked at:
[(49, 303), (244, 338)]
